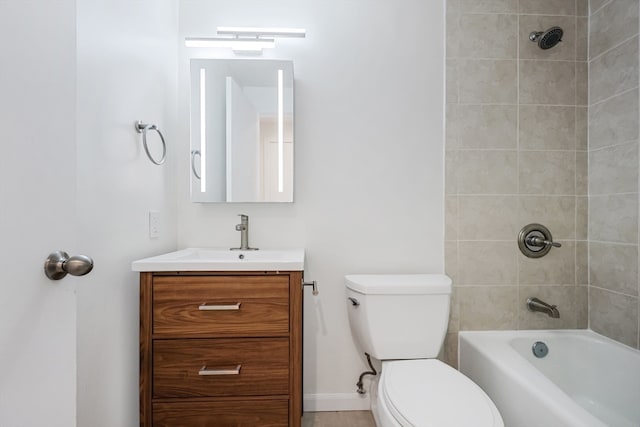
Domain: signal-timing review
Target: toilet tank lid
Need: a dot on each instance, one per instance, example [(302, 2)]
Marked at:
[(399, 284)]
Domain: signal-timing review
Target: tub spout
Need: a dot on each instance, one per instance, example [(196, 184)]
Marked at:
[(535, 304)]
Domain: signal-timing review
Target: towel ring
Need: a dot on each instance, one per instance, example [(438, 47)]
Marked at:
[(143, 128), (195, 153)]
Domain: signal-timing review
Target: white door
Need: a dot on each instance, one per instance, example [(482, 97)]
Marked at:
[(270, 172), (37, 215)]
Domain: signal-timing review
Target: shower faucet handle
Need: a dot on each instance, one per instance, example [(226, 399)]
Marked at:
[(535, 241), (541, 242)]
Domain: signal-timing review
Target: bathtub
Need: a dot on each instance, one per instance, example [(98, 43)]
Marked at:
[(585, 380)]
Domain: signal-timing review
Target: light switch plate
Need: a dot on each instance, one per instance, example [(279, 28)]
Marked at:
[(154, 224)]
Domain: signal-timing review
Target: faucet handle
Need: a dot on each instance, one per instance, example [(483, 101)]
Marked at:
[(537, 241)]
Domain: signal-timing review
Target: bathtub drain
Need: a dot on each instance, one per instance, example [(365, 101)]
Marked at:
[(539, 349)]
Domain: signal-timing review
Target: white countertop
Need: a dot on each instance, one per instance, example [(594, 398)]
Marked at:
[(223, 259)]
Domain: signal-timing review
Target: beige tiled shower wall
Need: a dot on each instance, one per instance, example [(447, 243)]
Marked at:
[(516, 153), (613, 169)]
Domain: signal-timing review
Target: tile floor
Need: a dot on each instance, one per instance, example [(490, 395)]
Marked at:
[(338, 419)]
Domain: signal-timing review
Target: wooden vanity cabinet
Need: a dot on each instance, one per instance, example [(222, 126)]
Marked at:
[(220, 349)]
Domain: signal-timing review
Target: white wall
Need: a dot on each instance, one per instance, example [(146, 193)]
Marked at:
[(369, 158), (126, 72), (37, 212), (368, 187)]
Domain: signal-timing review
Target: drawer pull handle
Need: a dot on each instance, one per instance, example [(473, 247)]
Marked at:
[(205, 307), (204, 371)]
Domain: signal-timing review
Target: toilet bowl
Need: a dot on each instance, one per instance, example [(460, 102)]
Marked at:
[(429, 393), (401, 320)]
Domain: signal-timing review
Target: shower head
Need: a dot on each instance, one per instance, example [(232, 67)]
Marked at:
[(547, 39)]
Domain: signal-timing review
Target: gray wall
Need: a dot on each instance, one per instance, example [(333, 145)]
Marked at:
[(613, 169), (516, 153)]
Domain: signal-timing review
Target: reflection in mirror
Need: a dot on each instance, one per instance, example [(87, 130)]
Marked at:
[(241, 130)]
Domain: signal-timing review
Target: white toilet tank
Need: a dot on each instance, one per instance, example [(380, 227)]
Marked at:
[(399, 316)]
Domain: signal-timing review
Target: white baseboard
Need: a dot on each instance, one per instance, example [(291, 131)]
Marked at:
[(336, 402)]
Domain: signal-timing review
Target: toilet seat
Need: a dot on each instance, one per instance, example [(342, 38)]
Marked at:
[(429, 393)]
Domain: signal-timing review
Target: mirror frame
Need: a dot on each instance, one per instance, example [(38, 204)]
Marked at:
[(249, 160)]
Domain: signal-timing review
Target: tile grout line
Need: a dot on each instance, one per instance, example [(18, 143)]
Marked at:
[(638, 237), (613, 47), (457, 131), (518, 326), (588, 266), (600, 8), (614, 96), (544, 194), (526, 150), (511, 104), (615, 292), (617, 144), (575, 173)]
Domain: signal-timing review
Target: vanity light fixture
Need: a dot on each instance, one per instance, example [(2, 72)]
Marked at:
[(262, 31), (245, 39)]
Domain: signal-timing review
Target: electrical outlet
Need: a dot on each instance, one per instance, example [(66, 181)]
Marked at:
[(154, 224)]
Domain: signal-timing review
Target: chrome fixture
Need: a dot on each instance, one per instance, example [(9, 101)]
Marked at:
[(373, 371), (535, 241), (247, 40), (354, 301), (58, 264), (262, 31), (243, 228), (547, 39), (204, 371), (314, 287), (195, 153), (143, 128), (223, 307), (539, 349), (535, 304)]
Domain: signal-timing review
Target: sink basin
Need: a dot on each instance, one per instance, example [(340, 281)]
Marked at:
[(219, 259)]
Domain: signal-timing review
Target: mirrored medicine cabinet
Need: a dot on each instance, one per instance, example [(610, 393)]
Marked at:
[(241, 130)]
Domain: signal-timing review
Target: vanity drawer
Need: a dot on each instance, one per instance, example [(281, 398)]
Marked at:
[(221, 305), (220, 367), (263, 413)]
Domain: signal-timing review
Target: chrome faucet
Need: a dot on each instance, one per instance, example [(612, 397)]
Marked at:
[(243, 228), (535, 304)]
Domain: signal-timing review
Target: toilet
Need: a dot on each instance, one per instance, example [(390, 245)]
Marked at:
[(401, 320)]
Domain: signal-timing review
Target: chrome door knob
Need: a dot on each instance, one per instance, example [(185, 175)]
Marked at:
[(58, 264)]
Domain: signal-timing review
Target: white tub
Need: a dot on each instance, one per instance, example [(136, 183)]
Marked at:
[(585, 380)]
